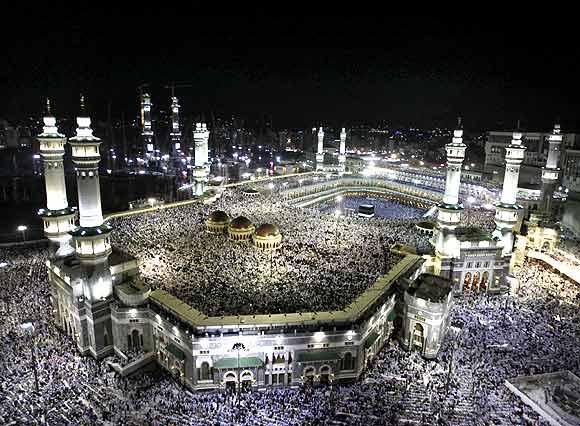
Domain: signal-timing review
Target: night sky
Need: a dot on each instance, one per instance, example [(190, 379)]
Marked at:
[(303, 70)]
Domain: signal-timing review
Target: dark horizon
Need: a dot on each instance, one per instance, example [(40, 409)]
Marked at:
[(327, 70)]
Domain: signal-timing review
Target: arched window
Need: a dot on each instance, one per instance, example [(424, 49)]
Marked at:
[(476, 277), (467, 281)]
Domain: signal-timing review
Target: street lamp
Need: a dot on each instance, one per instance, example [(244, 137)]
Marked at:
[(238, 347), (28, 327), (22, 228)]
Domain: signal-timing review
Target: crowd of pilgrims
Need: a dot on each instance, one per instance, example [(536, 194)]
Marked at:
[(498, 337), (323, 264)]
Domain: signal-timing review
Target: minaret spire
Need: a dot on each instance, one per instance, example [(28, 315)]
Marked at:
[(92, 241), (449, 210), (320, 150), (58, 217), (342, 151), (506, 211)]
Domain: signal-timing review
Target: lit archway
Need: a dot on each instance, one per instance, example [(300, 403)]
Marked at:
[(467, 281)]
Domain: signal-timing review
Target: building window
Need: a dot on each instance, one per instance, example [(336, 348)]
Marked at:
[(204, 371), (267, 379)]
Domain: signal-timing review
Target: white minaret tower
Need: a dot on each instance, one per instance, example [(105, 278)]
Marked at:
[(320, 151), (58, 217), (92, 243), (342, 151), (147, 130), (449, 211), (551, 173), (506, 211), (201, 160)]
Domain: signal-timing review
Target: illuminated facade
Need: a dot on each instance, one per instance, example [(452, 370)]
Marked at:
[(469, 257), (428, 301), (58, 218)]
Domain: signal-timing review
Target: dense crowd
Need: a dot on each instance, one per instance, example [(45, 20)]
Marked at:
[(324, 262), (498, 337)]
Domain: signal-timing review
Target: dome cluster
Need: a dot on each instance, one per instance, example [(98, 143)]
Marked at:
[(267, 236)]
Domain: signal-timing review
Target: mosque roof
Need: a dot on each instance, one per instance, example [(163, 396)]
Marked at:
[(472, 233), (430, 287), (218, 216), (267, 230), (240, 222)]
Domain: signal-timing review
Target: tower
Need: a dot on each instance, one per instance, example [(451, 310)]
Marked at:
[(201, 160), (342, 151), (92, 245), (449, 210), (175, 133), (506, 210), (58, 217), (543, 231), (146, 129), (320, 150), (551, 173)]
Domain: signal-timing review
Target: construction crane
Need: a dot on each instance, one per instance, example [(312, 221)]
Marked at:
[(173, 85)]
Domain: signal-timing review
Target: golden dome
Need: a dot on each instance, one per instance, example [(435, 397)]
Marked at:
[(267, 230), (218, 216), (241, 222)]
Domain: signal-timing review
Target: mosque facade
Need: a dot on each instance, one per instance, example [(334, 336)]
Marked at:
[(99, 299)]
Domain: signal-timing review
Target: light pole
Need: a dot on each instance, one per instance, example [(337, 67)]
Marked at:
[(29, 328), (22, 229), (238, 347)]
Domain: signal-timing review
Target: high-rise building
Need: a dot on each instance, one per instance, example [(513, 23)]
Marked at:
[(146, 127), (201, 160)]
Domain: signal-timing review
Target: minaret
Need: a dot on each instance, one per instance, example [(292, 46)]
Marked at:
[(506, 211), (92, 243), (58, 217), (201, 161), (449, 211), (175, 133), (551, 173), (342, 150), (320, 151), (147, 130)]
